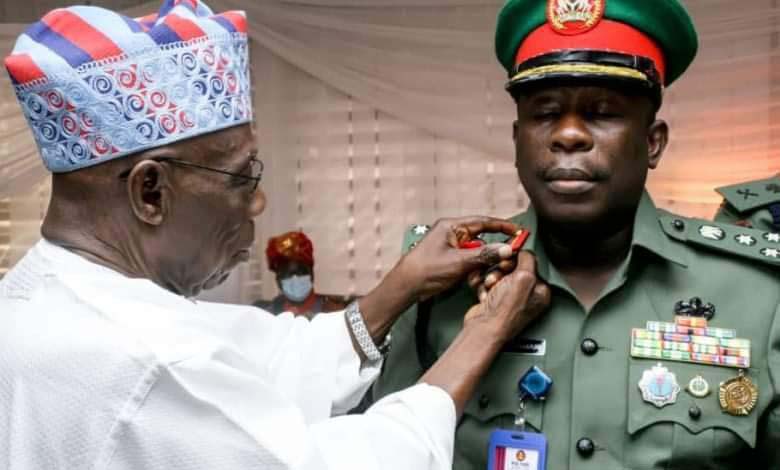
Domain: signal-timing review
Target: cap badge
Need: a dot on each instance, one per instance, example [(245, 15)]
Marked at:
[(574, 16)]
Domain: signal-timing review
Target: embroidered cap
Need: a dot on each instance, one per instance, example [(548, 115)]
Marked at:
[(95, 85)]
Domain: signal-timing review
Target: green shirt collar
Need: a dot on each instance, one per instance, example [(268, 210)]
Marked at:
[(648, 234)]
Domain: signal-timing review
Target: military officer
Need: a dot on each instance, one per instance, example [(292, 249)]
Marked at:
[(661, 346), (753, 204)]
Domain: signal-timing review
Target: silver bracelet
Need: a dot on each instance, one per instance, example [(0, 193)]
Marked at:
[(363, 338)]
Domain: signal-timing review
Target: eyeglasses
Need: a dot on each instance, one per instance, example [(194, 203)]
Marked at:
[(256, 170)]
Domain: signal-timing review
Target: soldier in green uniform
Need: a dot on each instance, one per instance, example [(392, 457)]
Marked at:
[(753, 204), (662, 339)]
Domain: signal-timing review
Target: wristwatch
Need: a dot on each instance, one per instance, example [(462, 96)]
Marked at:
[(372, 351)]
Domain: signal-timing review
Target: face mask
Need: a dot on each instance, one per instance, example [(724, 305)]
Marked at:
[(297, 288)]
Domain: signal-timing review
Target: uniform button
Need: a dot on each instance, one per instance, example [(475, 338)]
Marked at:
[(484, 401), (694, 412), (589, 347), (678, 225), (585, 447)]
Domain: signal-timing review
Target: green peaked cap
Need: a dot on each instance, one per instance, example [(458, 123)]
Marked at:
[(665, 21)]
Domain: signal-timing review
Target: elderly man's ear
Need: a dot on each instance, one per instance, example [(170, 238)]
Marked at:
[(149, 191)]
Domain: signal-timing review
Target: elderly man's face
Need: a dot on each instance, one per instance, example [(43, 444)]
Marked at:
[(208, 229), (583, 153)]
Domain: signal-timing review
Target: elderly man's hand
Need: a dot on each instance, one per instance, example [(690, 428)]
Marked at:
[(437, 263), (514, 301)]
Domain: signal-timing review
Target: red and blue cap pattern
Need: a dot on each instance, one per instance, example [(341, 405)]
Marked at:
[(96, 85)]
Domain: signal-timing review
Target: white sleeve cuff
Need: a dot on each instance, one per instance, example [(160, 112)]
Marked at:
[(410, 429), (351, 382)]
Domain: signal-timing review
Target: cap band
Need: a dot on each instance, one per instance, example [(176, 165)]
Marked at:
[(581, 69), (607, 36)]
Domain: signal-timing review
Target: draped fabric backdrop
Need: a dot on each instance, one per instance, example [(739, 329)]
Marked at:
[(375, 114)]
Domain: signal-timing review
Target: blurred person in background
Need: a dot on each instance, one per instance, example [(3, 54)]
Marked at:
[(291, 257)]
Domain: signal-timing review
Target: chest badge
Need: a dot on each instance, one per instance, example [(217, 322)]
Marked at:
[(659, 386), (738, 396), (698, 387), (574, 16)]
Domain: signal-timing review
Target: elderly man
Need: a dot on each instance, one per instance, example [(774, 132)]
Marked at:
[(662, 342), (106, 362)]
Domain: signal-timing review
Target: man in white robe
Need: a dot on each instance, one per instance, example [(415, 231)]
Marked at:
[(107, 363)]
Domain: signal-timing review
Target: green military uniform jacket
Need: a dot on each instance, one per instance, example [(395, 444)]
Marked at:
[(595, 393), (754, 204)]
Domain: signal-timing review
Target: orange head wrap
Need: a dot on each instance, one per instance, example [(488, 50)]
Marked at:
[(291, 246)]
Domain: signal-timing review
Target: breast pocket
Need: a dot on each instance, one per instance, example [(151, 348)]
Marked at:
[(694, 432), (494, 405)]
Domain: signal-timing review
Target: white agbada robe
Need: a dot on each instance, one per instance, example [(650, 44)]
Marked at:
[(99, 371)]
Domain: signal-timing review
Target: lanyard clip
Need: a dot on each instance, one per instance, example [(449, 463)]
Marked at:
[(533, 385)]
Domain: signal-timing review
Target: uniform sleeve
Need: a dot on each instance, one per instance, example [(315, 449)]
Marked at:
[(769, 435), (209, 412)]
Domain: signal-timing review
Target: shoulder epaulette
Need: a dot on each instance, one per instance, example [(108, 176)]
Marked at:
[(752, 194), (740, 241), (413, 235)]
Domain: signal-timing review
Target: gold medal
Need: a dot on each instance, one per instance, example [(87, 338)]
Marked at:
[(738, 396)]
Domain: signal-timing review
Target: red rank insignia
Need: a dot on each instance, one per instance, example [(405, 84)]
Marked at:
[(574, 16)]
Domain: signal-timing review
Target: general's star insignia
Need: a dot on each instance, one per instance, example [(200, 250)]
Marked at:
[(420, 229), (772, 237), (746, 240), (771, 253), (712, 233)]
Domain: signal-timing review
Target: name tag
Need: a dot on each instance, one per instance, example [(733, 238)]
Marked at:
[(514, 450), (527, 346)]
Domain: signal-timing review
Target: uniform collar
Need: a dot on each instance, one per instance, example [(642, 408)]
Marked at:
[(648, 235)]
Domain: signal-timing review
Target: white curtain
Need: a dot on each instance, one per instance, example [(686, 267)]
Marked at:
[(374, 114)]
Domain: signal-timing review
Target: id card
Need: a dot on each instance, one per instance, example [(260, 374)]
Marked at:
[(515, 450)]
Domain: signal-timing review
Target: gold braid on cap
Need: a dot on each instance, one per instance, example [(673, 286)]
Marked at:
[(612, 70)]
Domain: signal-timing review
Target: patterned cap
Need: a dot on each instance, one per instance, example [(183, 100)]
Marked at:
[(290, 246), (95, 85)]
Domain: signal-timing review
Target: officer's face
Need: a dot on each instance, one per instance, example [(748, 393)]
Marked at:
[(583, 152)]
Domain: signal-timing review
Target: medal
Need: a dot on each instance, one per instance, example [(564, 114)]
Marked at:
[(691, 339), (698, 387), (659, 386), (738, 396)]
